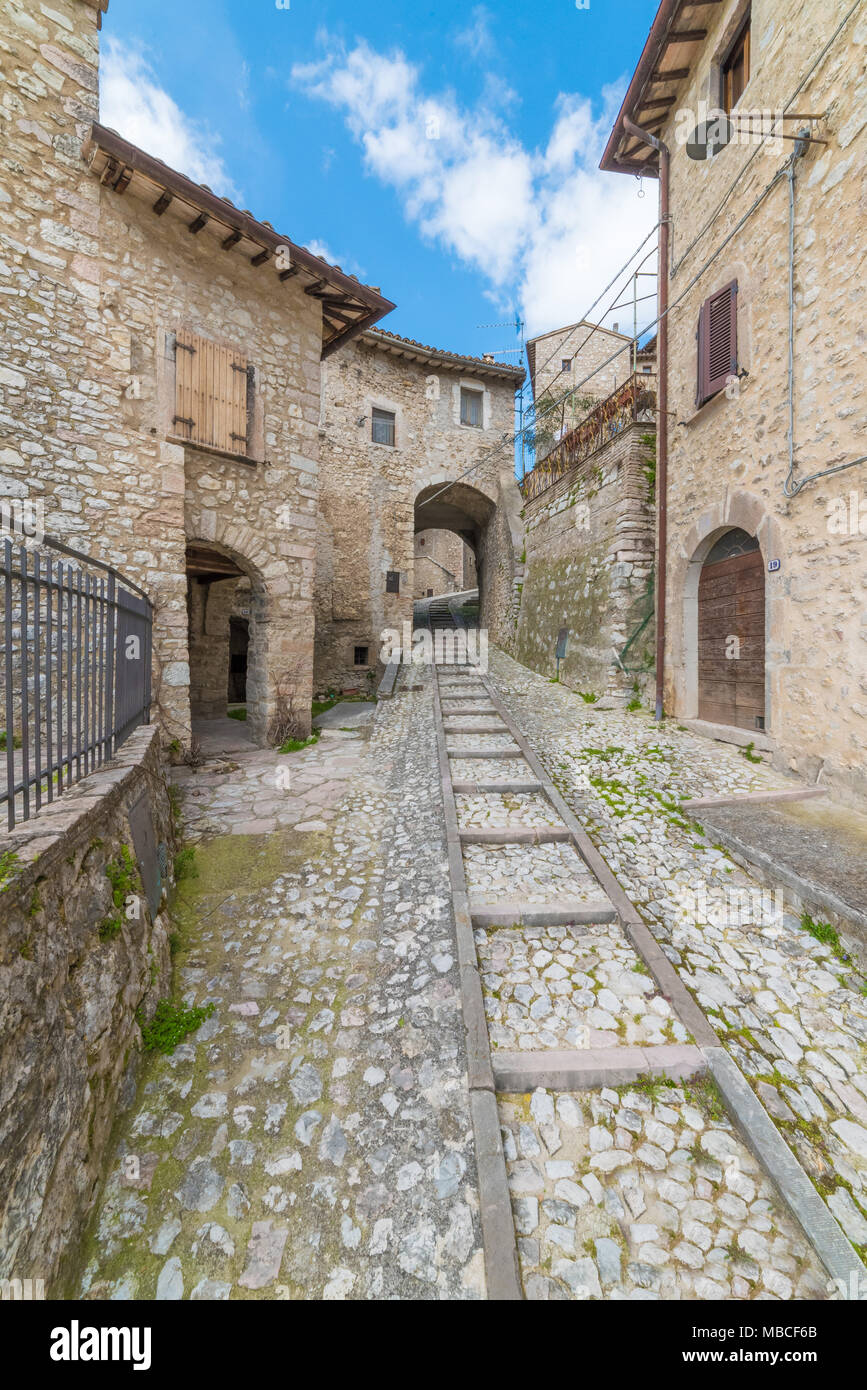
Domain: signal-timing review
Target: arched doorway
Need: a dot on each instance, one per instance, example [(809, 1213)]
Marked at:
[(731, 633)]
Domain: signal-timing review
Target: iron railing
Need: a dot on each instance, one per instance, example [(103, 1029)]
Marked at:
[(75, 678), (633, 401)]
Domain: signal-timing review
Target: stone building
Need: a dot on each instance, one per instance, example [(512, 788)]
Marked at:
[(413, 440), (160, 384), (572, 368), (765, 634), (444, 564)]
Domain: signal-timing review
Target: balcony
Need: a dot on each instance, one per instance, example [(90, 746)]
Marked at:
[(634, 402)]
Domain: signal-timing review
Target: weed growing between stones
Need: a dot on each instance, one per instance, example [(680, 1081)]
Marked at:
[(185, 864), (824, 932), (8, 867), (749, 754), (294, 745), (170, 1025), (122, 874), (588, 696)]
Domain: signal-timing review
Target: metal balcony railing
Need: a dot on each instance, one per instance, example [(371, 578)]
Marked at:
[(632, 402)]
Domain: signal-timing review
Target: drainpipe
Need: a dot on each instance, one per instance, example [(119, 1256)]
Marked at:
[(662, 410)]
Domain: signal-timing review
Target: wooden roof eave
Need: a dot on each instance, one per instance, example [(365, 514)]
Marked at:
[(122, 167)]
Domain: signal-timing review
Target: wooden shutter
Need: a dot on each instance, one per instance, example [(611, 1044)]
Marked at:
[(717, 341), (210, 394)]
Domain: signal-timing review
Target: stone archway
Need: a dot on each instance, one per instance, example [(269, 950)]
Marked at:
[(231, 575), (486, 516)]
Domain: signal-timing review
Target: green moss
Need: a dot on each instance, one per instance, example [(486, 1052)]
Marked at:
[(123, 876), (239, 714), (824, 932)]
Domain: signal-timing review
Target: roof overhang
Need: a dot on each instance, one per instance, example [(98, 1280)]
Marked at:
[(396, 346), (348, 307), (675, 40), (101, 7)]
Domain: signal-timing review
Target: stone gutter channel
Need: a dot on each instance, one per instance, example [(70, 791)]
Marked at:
[(489, 772)]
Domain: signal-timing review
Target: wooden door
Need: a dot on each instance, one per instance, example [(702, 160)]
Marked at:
[(731, 634)]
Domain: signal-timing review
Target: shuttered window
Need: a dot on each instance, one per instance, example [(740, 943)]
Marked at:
[(211, 394), (717, 341)]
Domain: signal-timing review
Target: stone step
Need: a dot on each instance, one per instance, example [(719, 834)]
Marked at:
[(485, 752), (591, 1068), (517, 835), (503, 913), (450, 728), (470, 788)]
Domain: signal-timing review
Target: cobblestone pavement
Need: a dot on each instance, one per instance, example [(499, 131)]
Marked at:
[(570, 987), (791, 1009), (645, 1193), (256, 791), (312, 1139)]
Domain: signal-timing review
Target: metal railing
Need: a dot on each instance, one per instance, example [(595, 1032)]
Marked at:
[(75, 675), (633, 402)]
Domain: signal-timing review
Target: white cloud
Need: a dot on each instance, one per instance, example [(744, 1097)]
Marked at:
[(477, 37), (134, 104), (545, 228)]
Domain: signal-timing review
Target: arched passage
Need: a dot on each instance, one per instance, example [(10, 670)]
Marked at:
[(466, 512), (226, 611)]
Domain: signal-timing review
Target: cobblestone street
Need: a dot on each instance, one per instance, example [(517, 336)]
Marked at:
[(791, 1012), (312, 1138)]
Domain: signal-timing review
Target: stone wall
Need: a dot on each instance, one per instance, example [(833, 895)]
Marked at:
[(728, 460), (443, 563), (75, 973), (373, 497), (95, 282), (589, 562)]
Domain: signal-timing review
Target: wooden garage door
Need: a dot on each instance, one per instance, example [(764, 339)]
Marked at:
[(731, 605)]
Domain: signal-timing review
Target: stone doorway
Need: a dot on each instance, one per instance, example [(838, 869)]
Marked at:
[(225, 603), (731, 633)]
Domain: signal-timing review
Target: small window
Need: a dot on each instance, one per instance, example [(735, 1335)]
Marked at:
[(717, 342), (213, 394), (430, 593), (421, 540), (383, 427), (361, 656), (392, 582), (471, 408), (735, 70), (566, 364)]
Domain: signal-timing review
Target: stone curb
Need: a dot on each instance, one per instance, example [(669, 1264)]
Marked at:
[(498, 1231), (707, 803), (785, 1172), (593, 1068), (387, 684)]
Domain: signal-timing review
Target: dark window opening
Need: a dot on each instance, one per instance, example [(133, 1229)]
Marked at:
[(421, 540), (566, 364), (392, 582), (361, 656), (382, 431), (736, 68)]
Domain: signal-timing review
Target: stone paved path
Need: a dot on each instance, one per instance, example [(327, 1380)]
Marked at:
[(792, 1013), (312, 1139)]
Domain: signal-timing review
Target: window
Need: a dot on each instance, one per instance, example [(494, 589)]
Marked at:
[(213, 394), (735, 70), (361, 656), (383, 427), (471, 408), (566, 364), (392, 582), (421, 540), (717, 342)]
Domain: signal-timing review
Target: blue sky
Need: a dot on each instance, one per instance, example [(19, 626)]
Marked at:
[(447, 152)]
